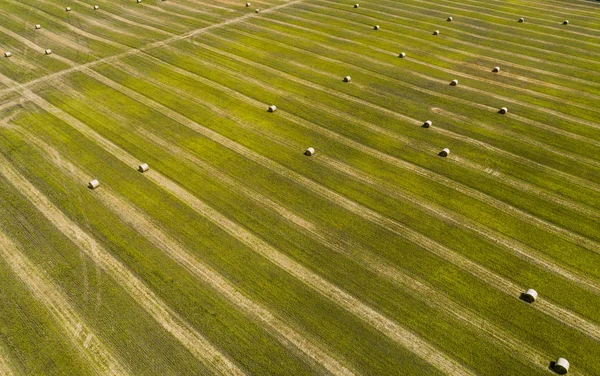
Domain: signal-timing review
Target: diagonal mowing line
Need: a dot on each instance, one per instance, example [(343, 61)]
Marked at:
[(179, 254), (85, 341), (135, 51), (158, 309), (563, 315)]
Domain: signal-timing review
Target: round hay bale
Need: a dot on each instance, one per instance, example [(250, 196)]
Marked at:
[(437, 32), (48, 51), (347, 79), (521, 19), (427, 124), (257, 11), (561, 366), (247, 5), (565, 22), (444, 153), (272, 108), (143, 167), (96, 7), (402, 55), (376, 27), (449, 19), (94, 184), (7, 54), (503, 110), (38, 26), (309, 152), (356, 5), (139, 1), (68, 9), (454, 83), (496, 69), (530, 296)]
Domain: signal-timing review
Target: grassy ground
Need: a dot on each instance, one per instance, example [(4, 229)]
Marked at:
[(440, 248)]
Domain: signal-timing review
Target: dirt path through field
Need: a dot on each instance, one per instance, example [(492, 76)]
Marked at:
[(85, 341), (144, 226)]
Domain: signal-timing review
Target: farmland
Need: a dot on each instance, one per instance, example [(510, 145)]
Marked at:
[(235, 253)]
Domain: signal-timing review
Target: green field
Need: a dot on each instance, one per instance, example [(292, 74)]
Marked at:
[(235, 253)]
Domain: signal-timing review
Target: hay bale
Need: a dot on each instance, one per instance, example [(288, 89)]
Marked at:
[(356, 5), (454, 83), (94, 184), (48, 51), (257, 11), (347, 79), (402, 55), (444, 153), (7, 54), (139, 1), (68, 9), (565, 22), (530, 296), (561, 366), (521, 19), (248, 5), (38, 26), (309, 152), (96, 7), (143, 167), (376, 27), (427, 124), (449, 19), (437, 32), (503, 110), (496, 69), (272, 108)]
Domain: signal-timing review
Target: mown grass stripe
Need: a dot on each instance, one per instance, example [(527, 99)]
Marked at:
[(80, 334)]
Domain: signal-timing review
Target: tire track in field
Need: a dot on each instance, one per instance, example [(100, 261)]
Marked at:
[(515, 247), (436, 45), (158, 309), (172, 248), (469, 35), (352, 250), (500, 205), (391, 329), (568, 318), (142, 50), (85, 341)]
